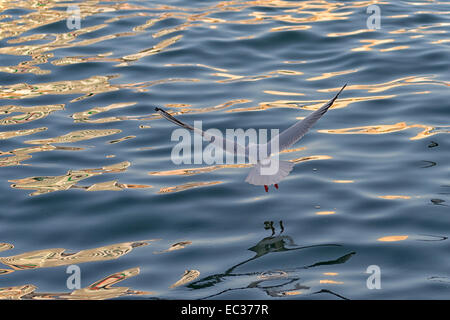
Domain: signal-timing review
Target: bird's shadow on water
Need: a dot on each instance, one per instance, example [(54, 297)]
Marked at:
[(287, 280)]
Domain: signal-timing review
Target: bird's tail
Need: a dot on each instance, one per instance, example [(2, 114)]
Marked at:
[(258, 178)]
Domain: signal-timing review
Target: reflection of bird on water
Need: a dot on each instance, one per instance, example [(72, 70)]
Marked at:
[(279, 243), (264, 155), (269, 225)]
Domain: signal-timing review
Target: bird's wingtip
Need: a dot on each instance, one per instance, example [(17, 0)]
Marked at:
[(342, 89)]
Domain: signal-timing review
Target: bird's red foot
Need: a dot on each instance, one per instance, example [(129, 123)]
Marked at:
[(266, 188), (276, 186)]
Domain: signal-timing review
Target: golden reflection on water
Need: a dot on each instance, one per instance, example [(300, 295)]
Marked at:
[(14, 160), (99, 290), (371, 43), (16, 292), (308, 104), (328, 281), (293, 150), (325, 213), (183, 109), (392, 238), (343, 181), (311, 158), (121, 139), (112, 186), (30, 65), (298, 13), (150, 51), (394, 48), (283, 93), (17, 133), (427, 131), (194, 171), (291, 293), (16, 156), (5, 246), (188, 276), (85, 116), (423, 29), (27, 114), (394, 197), (440, 41), (59, 257), (176, 246), (102, 289), (71, 179), (187, 186), (349, 33), (75, 136), (400, 82), (233, 78), (325, 11), (88, 87)]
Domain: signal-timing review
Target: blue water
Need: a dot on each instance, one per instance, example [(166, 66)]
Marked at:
[(371, 184)]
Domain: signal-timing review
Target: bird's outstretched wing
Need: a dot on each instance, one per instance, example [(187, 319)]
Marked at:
[(294, 133), (227, 145)]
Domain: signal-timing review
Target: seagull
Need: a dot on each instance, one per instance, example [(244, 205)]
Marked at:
[(264, 158)]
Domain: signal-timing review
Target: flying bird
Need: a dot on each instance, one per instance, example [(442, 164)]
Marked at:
[(264, 155)]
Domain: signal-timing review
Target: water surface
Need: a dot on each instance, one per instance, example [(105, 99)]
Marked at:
[(86, 176)]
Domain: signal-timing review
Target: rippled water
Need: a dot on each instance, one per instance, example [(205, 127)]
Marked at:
[(86, 177)]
